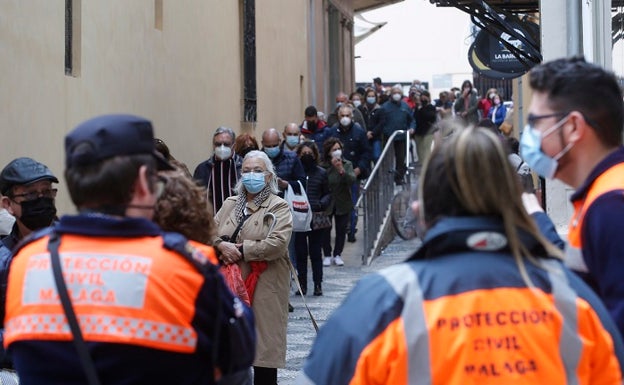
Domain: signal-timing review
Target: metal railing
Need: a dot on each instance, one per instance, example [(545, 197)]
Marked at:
[(376, 195)]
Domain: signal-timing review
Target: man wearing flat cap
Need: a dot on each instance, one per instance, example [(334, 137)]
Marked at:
[(28, 195), (140, 296)]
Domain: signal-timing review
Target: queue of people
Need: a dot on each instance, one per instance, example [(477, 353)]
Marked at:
[(195, 271)]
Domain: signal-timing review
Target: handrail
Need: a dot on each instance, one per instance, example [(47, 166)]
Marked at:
[(376, 195), (389, 142)]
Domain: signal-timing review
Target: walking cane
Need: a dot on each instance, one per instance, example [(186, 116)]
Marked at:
[(293, 272)]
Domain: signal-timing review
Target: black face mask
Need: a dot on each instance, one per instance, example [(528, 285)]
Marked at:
[(38, 213), (245, 150), (308, 161)]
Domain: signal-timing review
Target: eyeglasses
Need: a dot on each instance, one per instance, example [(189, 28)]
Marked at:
[(31, 196), (219, 144), (531, 119)]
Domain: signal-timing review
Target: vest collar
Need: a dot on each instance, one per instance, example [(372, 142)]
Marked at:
[(471, 234), (102, 225), (609, 161)]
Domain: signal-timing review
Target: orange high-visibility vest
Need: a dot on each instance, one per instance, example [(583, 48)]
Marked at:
[(124, 290), (610, 180)]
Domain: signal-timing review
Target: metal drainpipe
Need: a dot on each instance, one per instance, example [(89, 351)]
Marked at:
[(312, 39), (573, 13)]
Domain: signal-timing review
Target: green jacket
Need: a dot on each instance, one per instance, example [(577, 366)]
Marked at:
[(340, 188)]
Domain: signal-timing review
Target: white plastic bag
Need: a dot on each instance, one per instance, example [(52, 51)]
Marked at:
[(300, 209)]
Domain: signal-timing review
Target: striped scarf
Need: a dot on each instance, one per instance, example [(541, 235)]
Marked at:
[(223, 178)]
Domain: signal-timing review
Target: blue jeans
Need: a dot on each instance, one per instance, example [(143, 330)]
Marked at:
[(355, 191), (292, 254), (376, 145)]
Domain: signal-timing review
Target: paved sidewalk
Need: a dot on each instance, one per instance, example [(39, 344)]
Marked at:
[(337, 282)]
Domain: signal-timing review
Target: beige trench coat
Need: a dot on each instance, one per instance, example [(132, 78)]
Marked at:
[(270, 302)]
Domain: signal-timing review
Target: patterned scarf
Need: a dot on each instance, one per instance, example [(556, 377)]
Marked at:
[(241, 201), (222, 180)]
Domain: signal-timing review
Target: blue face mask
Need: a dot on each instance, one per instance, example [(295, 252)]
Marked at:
[(531, 150), (253, 181), (371, 100), (272, 152), (292, 141)]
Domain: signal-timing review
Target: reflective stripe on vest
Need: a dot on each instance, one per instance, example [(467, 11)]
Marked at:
[(406, 285), (106, 327), (124, 290), (570, 344), (418, 324), (610, 180)]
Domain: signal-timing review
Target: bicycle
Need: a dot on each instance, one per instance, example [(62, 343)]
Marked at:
[(404, 221)]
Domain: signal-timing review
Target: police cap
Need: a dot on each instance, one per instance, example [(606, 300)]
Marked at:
[(22, 171), (107, 136)]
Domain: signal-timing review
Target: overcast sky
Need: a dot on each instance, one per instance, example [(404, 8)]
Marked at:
[(420, 40)]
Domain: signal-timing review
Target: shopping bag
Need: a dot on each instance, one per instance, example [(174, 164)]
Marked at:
[(300, 208)]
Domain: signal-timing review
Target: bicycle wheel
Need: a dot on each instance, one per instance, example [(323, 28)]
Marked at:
[(403, 219)]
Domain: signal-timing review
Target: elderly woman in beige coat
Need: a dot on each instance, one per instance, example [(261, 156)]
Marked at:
[(260, 244)]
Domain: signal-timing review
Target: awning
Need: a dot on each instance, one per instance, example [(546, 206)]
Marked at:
[(515, 6), (367, 5), (363, 28)]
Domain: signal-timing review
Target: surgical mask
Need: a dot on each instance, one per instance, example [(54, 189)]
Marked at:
[(371, 100), (38, 213), (396, 97), (223, 152), (492, 95), (292, 141), (338, 104), (272, 152), (253, 181), (357, 103), (337, 153), (531, 150), (345, 121)]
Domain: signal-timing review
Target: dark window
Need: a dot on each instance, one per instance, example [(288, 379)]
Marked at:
[(68, 37), (72, 37)]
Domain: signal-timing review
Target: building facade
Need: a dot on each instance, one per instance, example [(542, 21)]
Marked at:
[(189, 66)]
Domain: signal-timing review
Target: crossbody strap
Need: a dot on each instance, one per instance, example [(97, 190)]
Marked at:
[(85, 359), (239, 227)]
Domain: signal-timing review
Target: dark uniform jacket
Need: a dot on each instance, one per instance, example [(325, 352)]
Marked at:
[(147, 312), (459, 312)]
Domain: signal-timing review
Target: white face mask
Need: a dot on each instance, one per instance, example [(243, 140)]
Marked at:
[(396, 97), (223, 152), (492, 95), (357, 103), (345, 121), (337, 153)]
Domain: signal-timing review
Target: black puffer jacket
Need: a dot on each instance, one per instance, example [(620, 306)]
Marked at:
[(317, 188)]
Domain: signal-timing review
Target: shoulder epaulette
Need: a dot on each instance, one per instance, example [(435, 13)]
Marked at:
[(35, 235), (178, 243)]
